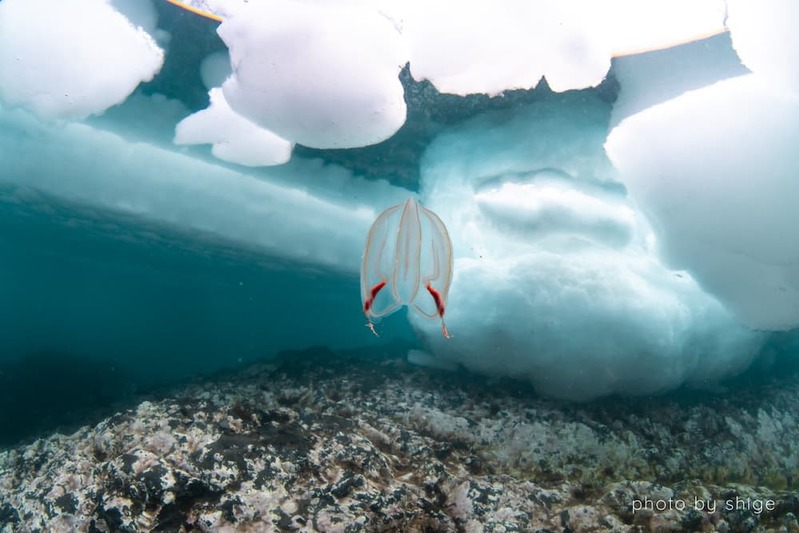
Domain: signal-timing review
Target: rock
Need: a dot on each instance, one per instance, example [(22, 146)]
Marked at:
[(320, 442)]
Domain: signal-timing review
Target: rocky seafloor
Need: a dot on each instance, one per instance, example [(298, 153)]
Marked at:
[(317, 441)]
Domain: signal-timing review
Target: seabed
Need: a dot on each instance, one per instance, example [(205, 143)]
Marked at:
[(323, 441)]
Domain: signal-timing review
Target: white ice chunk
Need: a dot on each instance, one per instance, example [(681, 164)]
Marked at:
[(479, 47), (716, 169), (72, 58), (483, 47), (581, 326), (555, 277), (765, 37), (234, 138), (634, 26), (325, 76)]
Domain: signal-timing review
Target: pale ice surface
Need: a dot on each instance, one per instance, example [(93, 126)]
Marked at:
[(632, 26), (723, 192), (715, 168), (555, 279), (486, 49), (72, 58), (234, 137), (161, 185), (600, 248), (764, 36), (511, 44), (325, 76)]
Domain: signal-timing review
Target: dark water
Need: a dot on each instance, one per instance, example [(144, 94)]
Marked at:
[(95, 308)]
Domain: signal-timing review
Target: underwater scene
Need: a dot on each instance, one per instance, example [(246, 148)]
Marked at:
[(399, 265)]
